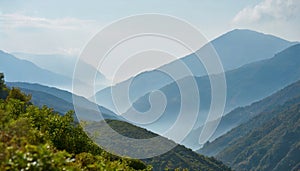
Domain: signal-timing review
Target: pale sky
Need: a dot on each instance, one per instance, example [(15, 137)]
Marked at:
[(54, 26), (65, 27)]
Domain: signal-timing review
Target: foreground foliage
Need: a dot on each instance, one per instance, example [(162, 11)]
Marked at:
[(33, 138)]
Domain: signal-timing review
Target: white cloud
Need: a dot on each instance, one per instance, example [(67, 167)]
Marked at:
[(279, 17), (269, 10), (16, 20), (22, 33)]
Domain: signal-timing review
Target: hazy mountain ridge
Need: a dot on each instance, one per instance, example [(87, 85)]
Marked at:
[(64, 65), (244, 85), (241, 120), (27, 71), (61, 100), (235, 48), (56, 63)]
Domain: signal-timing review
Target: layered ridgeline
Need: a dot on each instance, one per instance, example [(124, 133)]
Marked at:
[(253, 82), (64, 65), (50, 70), (274, 145), (268, 141), (29, 72), (179, 157), (244, 85), (235, 48), (62, 101), (241, 117)]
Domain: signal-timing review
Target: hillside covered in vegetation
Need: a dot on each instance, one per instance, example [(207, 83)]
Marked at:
[(241, 118), (34, 138), (268, 141), (273, 146), (179, 157)]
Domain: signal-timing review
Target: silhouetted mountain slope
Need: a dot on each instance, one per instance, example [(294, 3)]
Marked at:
[(60, 100), (244, 86), (17, 70), (22, 70), (179, 157), (272, 144), (140, 85), (65, 95), (63, 65), (235, 48), (243, 114), (260, 79), (239, 47)]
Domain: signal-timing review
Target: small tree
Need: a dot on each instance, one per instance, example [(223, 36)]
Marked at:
[(16, 93), (1, 80), (3, 88)]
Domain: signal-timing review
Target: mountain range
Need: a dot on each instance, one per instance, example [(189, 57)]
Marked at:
[(23, 70), (56, 71), (242, 119), (269, 140), (64, 65), (235, 49), (244, 85), (275, 145), (259, 129), (62, 101), (70, 138)]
